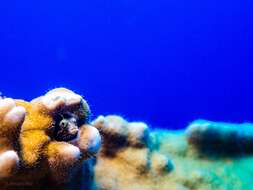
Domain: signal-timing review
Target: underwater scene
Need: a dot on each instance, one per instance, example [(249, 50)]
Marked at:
[(126, 95)]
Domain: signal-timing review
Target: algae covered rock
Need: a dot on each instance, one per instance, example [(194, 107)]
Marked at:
[(221, 138), (169, 161)]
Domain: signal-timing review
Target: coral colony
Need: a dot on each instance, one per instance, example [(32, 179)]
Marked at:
[(50, 143)]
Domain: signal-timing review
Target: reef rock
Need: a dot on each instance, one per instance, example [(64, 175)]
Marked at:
[(128, 153), (171, 160), (221, 138), (49, 143)]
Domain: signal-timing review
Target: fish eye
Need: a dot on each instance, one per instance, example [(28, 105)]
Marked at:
[(63, 123)]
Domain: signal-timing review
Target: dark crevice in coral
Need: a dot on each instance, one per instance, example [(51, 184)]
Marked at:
[(112, 144)]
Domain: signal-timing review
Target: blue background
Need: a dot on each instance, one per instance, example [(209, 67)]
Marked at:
[(165, 62)]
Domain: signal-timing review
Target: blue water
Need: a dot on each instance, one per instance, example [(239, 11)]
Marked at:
[(166, 62)]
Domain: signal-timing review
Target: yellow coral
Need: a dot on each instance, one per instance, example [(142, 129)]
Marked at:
[(36, 142)]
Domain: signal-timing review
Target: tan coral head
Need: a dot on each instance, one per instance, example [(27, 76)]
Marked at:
[(71, 119), (61, 97), (58, 117)]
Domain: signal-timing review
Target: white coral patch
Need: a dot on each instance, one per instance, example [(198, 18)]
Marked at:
[(115, 125), (52, 100), (6, 105), (100, 119), (198, 126), (15, 116), (94, 140), (72, 151), (138, 133), (90, 140), (138, 129), (8, 163)]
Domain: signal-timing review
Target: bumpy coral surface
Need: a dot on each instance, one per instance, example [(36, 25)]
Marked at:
[(45, 140), (49, 144), (221, 138), (11, 119), (130, 156), (172, 160)]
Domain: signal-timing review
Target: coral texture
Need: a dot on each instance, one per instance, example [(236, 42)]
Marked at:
[(172, 160), (47, 138), (11, 119), (221, 138), (49, 144), (128, 151)]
